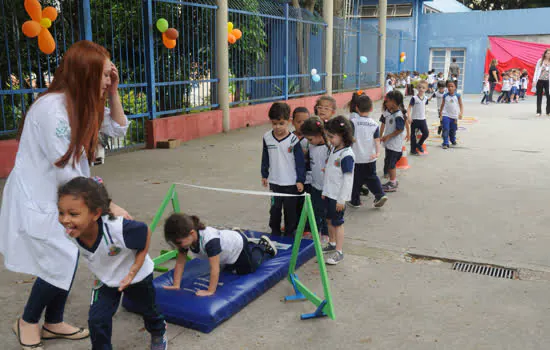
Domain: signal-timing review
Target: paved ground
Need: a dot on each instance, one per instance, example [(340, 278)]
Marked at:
[(484, 201)]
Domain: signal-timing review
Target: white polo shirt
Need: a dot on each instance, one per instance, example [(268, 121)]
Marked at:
[(283, 160), (338, 163), (366, 130), (452, 107), (212, 242), (418, 107), (318, 155)]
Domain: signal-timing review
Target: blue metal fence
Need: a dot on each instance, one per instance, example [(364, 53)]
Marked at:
[(352, 40), (272, 61)]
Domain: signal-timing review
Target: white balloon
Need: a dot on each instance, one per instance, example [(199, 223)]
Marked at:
[(313, 71)]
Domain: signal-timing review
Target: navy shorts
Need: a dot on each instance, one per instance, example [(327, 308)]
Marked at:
[(336, 218), (392, 157)]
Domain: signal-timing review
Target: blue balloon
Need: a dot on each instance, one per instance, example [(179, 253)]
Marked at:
[(363, 59), (316, 78)]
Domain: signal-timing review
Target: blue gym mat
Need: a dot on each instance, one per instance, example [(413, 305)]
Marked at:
[(234, 292)]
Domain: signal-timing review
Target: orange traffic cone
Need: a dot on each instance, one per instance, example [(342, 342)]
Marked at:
[(424, 148), (403, 163)]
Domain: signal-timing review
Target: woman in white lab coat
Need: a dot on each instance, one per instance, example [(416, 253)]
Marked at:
[(57, 143)]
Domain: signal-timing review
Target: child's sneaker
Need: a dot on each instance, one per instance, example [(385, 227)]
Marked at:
[(329, 248), (445, 146), (335, 258), (414, 153), (364, 191), (355, 205), (159, 342), (390, 186), (454, 143), (268, 245), (379, 203)]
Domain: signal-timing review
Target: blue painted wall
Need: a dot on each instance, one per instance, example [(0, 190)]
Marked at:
[(471, 31)]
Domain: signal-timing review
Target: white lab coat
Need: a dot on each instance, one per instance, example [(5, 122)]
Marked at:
[(31, 238), (538, 72)]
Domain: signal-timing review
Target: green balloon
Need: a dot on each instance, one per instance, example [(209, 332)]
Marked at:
[(162, 25), (345, 76)]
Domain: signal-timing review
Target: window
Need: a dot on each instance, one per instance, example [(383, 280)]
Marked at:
[(399, 10), (428, 9)]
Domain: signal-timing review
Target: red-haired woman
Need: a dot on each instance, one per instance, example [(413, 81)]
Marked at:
[(57, 143)]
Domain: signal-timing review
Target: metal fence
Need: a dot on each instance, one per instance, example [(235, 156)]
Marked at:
[(272, 61), (353, 40)]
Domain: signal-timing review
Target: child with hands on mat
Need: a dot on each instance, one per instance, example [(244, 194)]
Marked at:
[(221, 247), (318, 151), (283, 169), (338, 183), (116, 252)]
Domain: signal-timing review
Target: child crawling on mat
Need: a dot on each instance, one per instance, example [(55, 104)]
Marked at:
[(221, 247)]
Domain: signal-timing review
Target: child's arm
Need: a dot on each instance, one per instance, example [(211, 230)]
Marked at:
[(408, 128), (441, 109), (409, 109), (377, 148), (265, 165), (138, 263), (214, 277), (347, 164), (461, 107), (178, 270), (300, 164)]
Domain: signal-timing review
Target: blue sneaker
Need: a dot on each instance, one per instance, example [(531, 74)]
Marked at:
[(159, 342)]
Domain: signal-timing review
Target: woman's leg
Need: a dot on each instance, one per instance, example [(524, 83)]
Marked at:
[(539, 96), (492, 91), (42, 294), (547, 93)]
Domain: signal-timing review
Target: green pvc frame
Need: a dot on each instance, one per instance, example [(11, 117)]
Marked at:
[(325, 307), (165, 255)]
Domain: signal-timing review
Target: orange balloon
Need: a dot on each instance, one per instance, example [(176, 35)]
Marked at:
[(50, 12), (34, 9), (31, 29), (46, 44), (231, 38), (172, 34), (237, 33), (170, 44)]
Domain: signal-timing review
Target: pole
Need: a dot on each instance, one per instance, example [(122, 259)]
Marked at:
[(85, 20), (382, 14), (286, 49), (222, 62), (328, 15), (150, 58), (400, 50)]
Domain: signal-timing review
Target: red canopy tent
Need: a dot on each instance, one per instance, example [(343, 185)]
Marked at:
[(514, 54)]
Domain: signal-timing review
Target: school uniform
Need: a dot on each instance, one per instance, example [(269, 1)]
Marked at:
[(394, 146), (410, 88), (389, 86), (450, 114), (110, 259), (304, 143), (338, 182), (318, 156), (486, 91), (418, 116), (236, 253), (32, 240), (431, 80), (382, 120), (366, 130), (505, 92), (524, 82), (515, 87), (283, 165)]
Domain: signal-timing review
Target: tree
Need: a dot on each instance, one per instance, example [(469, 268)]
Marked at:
[(489, 5)]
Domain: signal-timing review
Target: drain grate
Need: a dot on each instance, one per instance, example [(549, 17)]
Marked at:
[(486, 270)]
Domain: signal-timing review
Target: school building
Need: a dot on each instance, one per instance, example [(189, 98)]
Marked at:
[(446, 29)]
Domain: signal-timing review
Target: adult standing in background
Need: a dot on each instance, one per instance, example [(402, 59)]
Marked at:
[(493, 78), (57, 143), (454, 70), (540, 82)]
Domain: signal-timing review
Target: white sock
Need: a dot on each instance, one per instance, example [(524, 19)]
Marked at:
[(341, 252), (332, 244)]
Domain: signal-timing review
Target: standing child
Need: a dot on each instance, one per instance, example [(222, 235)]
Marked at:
[(366, 150), (506, 87), (385, 114), (524, 84), (451, 110), (410, 89), (431, 81), (283, 169), (486, 89), (299, 116), (417, 115), (514, 93), (325, 108), (318, 151), (438, 95), (116, 252), (227, 248), (440, 77), (389, 83), (393, 137), (338, 183)]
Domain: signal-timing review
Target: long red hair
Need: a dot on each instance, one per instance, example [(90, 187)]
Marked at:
[(79, 77)]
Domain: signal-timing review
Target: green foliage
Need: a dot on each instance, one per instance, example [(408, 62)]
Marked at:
[(488, 5)]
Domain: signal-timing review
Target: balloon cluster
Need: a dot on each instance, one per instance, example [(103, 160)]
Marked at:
[(315, 75), (169, 35), (233, 34), (402, 57), (41, 21)]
